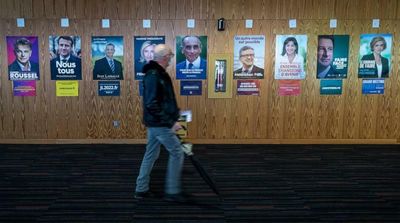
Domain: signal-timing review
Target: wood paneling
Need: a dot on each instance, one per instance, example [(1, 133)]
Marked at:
[(269, 118)]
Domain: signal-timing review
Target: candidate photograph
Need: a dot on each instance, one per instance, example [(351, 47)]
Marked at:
[(23, 57), (249, 57), (144, 52), (332, 56), (290, 57), (191, 57), (107, 56), (65, 60)]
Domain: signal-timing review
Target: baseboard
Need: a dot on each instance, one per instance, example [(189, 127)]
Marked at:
[(203, 141)]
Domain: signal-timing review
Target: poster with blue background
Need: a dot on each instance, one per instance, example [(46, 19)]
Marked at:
[(144, 52), (107, 57)]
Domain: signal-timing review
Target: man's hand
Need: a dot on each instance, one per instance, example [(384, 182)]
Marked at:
[(177, 126)]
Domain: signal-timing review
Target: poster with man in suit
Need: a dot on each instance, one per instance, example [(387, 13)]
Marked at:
[(375, 55), (191, 57), (23, 57), (332, 56), (65, 61), (107, 57), (249, 57), (290, 57)]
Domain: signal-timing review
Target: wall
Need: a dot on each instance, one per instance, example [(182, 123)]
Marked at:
[(307, 118)]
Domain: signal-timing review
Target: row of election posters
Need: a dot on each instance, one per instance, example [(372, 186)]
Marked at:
[(191, 60)]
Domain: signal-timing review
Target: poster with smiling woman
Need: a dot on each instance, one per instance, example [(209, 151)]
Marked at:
[(107, 57), (23, 57), (375, 55), (290, 56)]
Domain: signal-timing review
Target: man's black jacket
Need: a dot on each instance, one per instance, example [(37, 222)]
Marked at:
[(159, 103)]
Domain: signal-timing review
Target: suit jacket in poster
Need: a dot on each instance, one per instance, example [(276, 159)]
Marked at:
[(72, 70), (102, 70), (199, 75), (15, 67)]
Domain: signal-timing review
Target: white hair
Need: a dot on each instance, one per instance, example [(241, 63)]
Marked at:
[(160, 51)]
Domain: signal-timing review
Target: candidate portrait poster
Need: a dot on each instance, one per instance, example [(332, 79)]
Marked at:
[(65, 57), (107, 57), (332, 56), (23, 57), (248, 57), (144, 52), (290, 56), (289, 87), (375, 55), (191, 57)]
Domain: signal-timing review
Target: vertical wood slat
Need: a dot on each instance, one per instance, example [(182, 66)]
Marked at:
[(202, 9), (307, 116)]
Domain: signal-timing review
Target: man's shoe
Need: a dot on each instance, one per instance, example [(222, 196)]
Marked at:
[(178, 198), (144, 194)]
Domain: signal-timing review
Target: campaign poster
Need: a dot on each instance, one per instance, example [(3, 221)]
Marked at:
[(107, 57), (191, 57), (67, 88), (23, 57), (373, 86), (290, 56), (375, 55), (144, 52), (248, 57), (248, 87), (332, 56), (109, 88), (24, 88), (65, 57), (220, 75), (191, 87), (289, 87), (331, 87)]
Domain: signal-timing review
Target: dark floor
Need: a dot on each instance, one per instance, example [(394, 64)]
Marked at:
[(258, 183)]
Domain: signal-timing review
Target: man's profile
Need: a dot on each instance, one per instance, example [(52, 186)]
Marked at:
[(325, 57), (65, 66), (108, 67)]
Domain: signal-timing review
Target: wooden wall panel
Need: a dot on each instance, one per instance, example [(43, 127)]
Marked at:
[(269, 118)]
